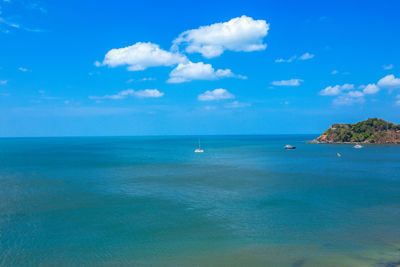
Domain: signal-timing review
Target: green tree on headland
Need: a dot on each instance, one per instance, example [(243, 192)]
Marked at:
[(372, 130)]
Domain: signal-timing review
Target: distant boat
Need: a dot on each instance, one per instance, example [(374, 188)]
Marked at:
[(338, 154), (199, 150), (290, 147), (358, 146)]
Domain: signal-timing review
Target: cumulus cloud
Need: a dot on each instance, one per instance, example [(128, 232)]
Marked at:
[(23, 69), (147, 93), (189, 71), (291, 82), (306, 56), (237, 104), (347, 86), (345, 98), (371, 89), (239, 34), (217, 94), (3, 82), (389, 82), (335, 90), (141, 56), (349, 98), (355, 94)]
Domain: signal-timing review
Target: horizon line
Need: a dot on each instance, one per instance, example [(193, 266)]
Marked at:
[(153, 135)]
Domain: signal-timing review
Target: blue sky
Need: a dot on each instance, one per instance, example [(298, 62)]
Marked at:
[(82, 68)]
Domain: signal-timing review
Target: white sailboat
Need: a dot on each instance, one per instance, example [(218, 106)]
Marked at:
[(358, 146), (199, 150)]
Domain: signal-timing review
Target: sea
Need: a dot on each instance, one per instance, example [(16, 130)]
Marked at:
[(152, 201)]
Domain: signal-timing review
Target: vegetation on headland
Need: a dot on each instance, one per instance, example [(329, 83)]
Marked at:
[(372, 131)]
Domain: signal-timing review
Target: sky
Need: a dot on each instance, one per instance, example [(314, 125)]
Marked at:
[(110, 68)]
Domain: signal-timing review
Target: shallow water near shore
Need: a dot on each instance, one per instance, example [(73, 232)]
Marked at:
[(137, 201)]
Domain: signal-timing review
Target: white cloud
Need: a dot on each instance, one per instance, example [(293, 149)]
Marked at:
[(217, 94), (347, 86), (291, 82), (306, 56), (371, 89), (147, 79), (388, 67), (141, 56), (334, 72), (3, 82), (282, 60), (344, 100), (23, 69), (237, 104), (331, 90), (239, 34), (349, 99), (398, 101), (147, 93), (189, 71), (337, 89), (355, 94), (141, 79), (120, 95), (389, 82)]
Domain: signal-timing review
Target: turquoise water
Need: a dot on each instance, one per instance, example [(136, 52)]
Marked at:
[(139, 201)]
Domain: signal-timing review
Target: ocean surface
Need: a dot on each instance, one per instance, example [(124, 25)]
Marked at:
[(152, 201)]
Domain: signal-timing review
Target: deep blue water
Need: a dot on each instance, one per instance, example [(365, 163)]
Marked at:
[(245, 201)]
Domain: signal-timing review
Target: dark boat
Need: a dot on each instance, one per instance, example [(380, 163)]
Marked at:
[(290, 147)]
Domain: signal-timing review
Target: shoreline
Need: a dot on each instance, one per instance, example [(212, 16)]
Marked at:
[(351, 143)]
